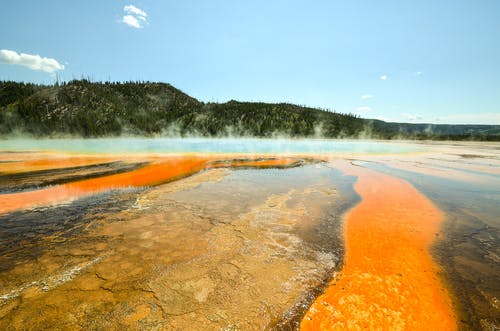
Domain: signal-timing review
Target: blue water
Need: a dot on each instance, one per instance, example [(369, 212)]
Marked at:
[(205, 145)]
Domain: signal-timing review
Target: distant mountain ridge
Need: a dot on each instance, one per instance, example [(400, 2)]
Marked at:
[(98, 109)]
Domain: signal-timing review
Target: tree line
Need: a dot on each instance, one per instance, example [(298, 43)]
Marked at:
[(98, 109)]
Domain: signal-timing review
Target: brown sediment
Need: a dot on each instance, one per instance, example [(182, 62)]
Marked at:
[(216, 251), (160, 170), (469, 257), (389, 280), (270, 162)]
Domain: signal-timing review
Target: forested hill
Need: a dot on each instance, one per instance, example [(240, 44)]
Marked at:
[(94, 109)]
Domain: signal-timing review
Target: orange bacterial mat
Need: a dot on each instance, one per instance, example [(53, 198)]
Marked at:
[(389, 281), (160, 170)]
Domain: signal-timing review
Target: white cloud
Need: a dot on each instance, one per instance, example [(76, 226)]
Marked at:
[(131, 21), (383, 77), (34, 62), (134, 17), (133, 10), (418, 73), (366, 96), (363, 108)]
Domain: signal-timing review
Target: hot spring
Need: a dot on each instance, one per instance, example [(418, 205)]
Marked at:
[(166, 233)]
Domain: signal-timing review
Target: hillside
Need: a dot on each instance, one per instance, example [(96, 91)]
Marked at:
[(94, 109)]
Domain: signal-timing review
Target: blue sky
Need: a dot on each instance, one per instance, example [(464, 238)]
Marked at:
[(440, 59)]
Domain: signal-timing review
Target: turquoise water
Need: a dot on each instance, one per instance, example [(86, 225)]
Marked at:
[(204, 145)]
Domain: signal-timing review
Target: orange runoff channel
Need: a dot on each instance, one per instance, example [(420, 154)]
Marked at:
[(155, 173), (389, 280), (28, 163)]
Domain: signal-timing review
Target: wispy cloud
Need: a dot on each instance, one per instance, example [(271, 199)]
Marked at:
[(363, 108), (476, 118), (134, 17), (383, 77), (418, 73), (366, 96), (413, 117), (34, 62)]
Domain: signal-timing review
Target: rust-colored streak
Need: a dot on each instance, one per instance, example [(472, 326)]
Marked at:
[(27, 163), (160, 170), (389, 281), (152, 174)]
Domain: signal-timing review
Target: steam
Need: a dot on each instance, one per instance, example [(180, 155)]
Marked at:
[(251, 146)]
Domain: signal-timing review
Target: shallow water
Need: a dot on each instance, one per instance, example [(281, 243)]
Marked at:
[(136, 234)]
